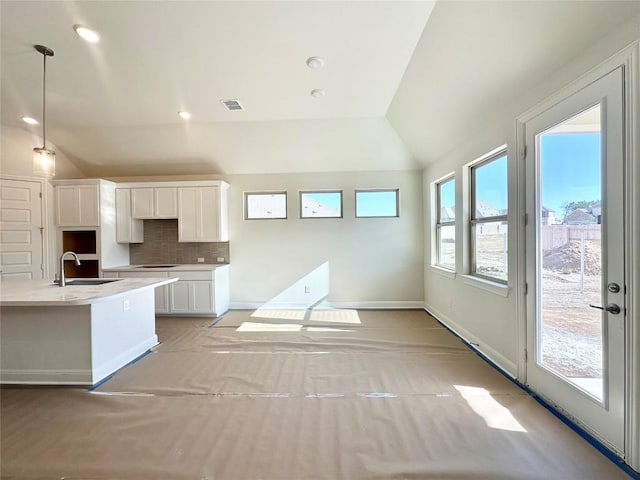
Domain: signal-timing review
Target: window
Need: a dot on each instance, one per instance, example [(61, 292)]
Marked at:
[(265, 205), (489, 217), (321, 204), (446, 224), (377, 203)]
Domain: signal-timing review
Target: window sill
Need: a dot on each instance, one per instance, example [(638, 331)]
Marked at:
[(487, 285), (445, 272)]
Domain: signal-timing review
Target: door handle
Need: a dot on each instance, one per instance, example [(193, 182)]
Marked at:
[(611, 308)]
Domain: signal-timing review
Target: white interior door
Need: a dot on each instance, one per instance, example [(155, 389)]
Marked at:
[(21, 242), (575, 257)]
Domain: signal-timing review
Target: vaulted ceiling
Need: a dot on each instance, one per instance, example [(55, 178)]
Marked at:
[(398, 78)]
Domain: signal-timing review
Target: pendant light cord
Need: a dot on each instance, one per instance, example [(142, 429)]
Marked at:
[(44, 103)]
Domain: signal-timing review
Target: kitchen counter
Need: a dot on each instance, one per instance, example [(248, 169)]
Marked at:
[(74, 335), (174, 268), (202, 288), (44, 293)]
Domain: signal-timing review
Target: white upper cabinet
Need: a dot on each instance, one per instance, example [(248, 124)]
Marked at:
[(89, 205), (77, 205), (128, 229), (202, 215), (154, 202), (199, 206)]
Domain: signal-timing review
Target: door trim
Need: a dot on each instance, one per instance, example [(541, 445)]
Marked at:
[(629, 58), (49, 230)]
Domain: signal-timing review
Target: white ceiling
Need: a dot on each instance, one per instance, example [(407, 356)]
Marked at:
[(112, 107), (115, 104), (476, 57)]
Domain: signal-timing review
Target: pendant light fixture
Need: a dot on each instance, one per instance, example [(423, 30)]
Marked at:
[(44, 160)]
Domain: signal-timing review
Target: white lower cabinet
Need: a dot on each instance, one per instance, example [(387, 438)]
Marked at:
[(203, 292), (192, 293), (191, 297), (162, 299)]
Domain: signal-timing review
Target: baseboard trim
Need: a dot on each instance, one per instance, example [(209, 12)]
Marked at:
[(129, 355), (501, 362), (45, 377), (359, 305)]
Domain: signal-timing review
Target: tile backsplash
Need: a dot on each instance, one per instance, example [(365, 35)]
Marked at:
[(161, 246)]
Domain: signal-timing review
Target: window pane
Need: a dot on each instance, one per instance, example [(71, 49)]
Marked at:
[(447, 246), (570, 272), (447, 195), (377, 203), (490, 240), (490, 188), (265, 205), (320, 204)]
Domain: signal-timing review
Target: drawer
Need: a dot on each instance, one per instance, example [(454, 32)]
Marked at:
[(204, 275), (142, 274)]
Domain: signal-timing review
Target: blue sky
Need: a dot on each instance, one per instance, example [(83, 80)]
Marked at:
[(491, 183), (370, 204), (569, 169), (569, 172)]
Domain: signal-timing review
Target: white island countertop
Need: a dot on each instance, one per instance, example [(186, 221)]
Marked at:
[(184, 267), (26, 293)]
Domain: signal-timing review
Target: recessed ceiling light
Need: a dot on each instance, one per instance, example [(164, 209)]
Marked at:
[(89, 35), (184, 115), (317, 93), (30, 121), (315, 62)]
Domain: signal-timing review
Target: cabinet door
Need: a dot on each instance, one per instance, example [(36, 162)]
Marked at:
[(89, 202), (77, 206), (198, 214), (128, 229), (142, 202), (162, 299), (165, 202), (188, 215), (179, 297), (67, 207), (209, 214), (201, 297)]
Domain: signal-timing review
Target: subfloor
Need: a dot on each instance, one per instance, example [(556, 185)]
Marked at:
[(338, 394)]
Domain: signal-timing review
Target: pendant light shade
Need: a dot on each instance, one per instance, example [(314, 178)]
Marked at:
[(44, 159)]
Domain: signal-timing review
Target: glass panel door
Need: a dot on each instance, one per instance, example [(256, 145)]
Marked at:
[(575, 257), (570, 230)]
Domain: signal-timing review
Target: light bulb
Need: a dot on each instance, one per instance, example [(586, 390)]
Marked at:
[(89, 35)]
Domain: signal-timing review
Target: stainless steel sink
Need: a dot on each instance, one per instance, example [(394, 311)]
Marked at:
[(90, 281)]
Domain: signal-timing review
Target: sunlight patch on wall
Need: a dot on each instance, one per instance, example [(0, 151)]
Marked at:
[(304, 300)]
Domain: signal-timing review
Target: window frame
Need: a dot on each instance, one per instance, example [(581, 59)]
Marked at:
[(264, 193), (373, 190), (439, 223), (474, 221), (302, 192)]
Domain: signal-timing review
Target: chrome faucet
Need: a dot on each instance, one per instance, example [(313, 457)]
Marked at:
[(62, 280)]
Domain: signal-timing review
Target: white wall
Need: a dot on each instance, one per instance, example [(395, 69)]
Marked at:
[(16, 154), (482, 317), (371, 261)]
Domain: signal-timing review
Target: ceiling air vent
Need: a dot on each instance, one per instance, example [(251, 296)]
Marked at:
[(232, 104)]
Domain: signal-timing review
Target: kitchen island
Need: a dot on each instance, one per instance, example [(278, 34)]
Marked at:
[(77, 334)]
